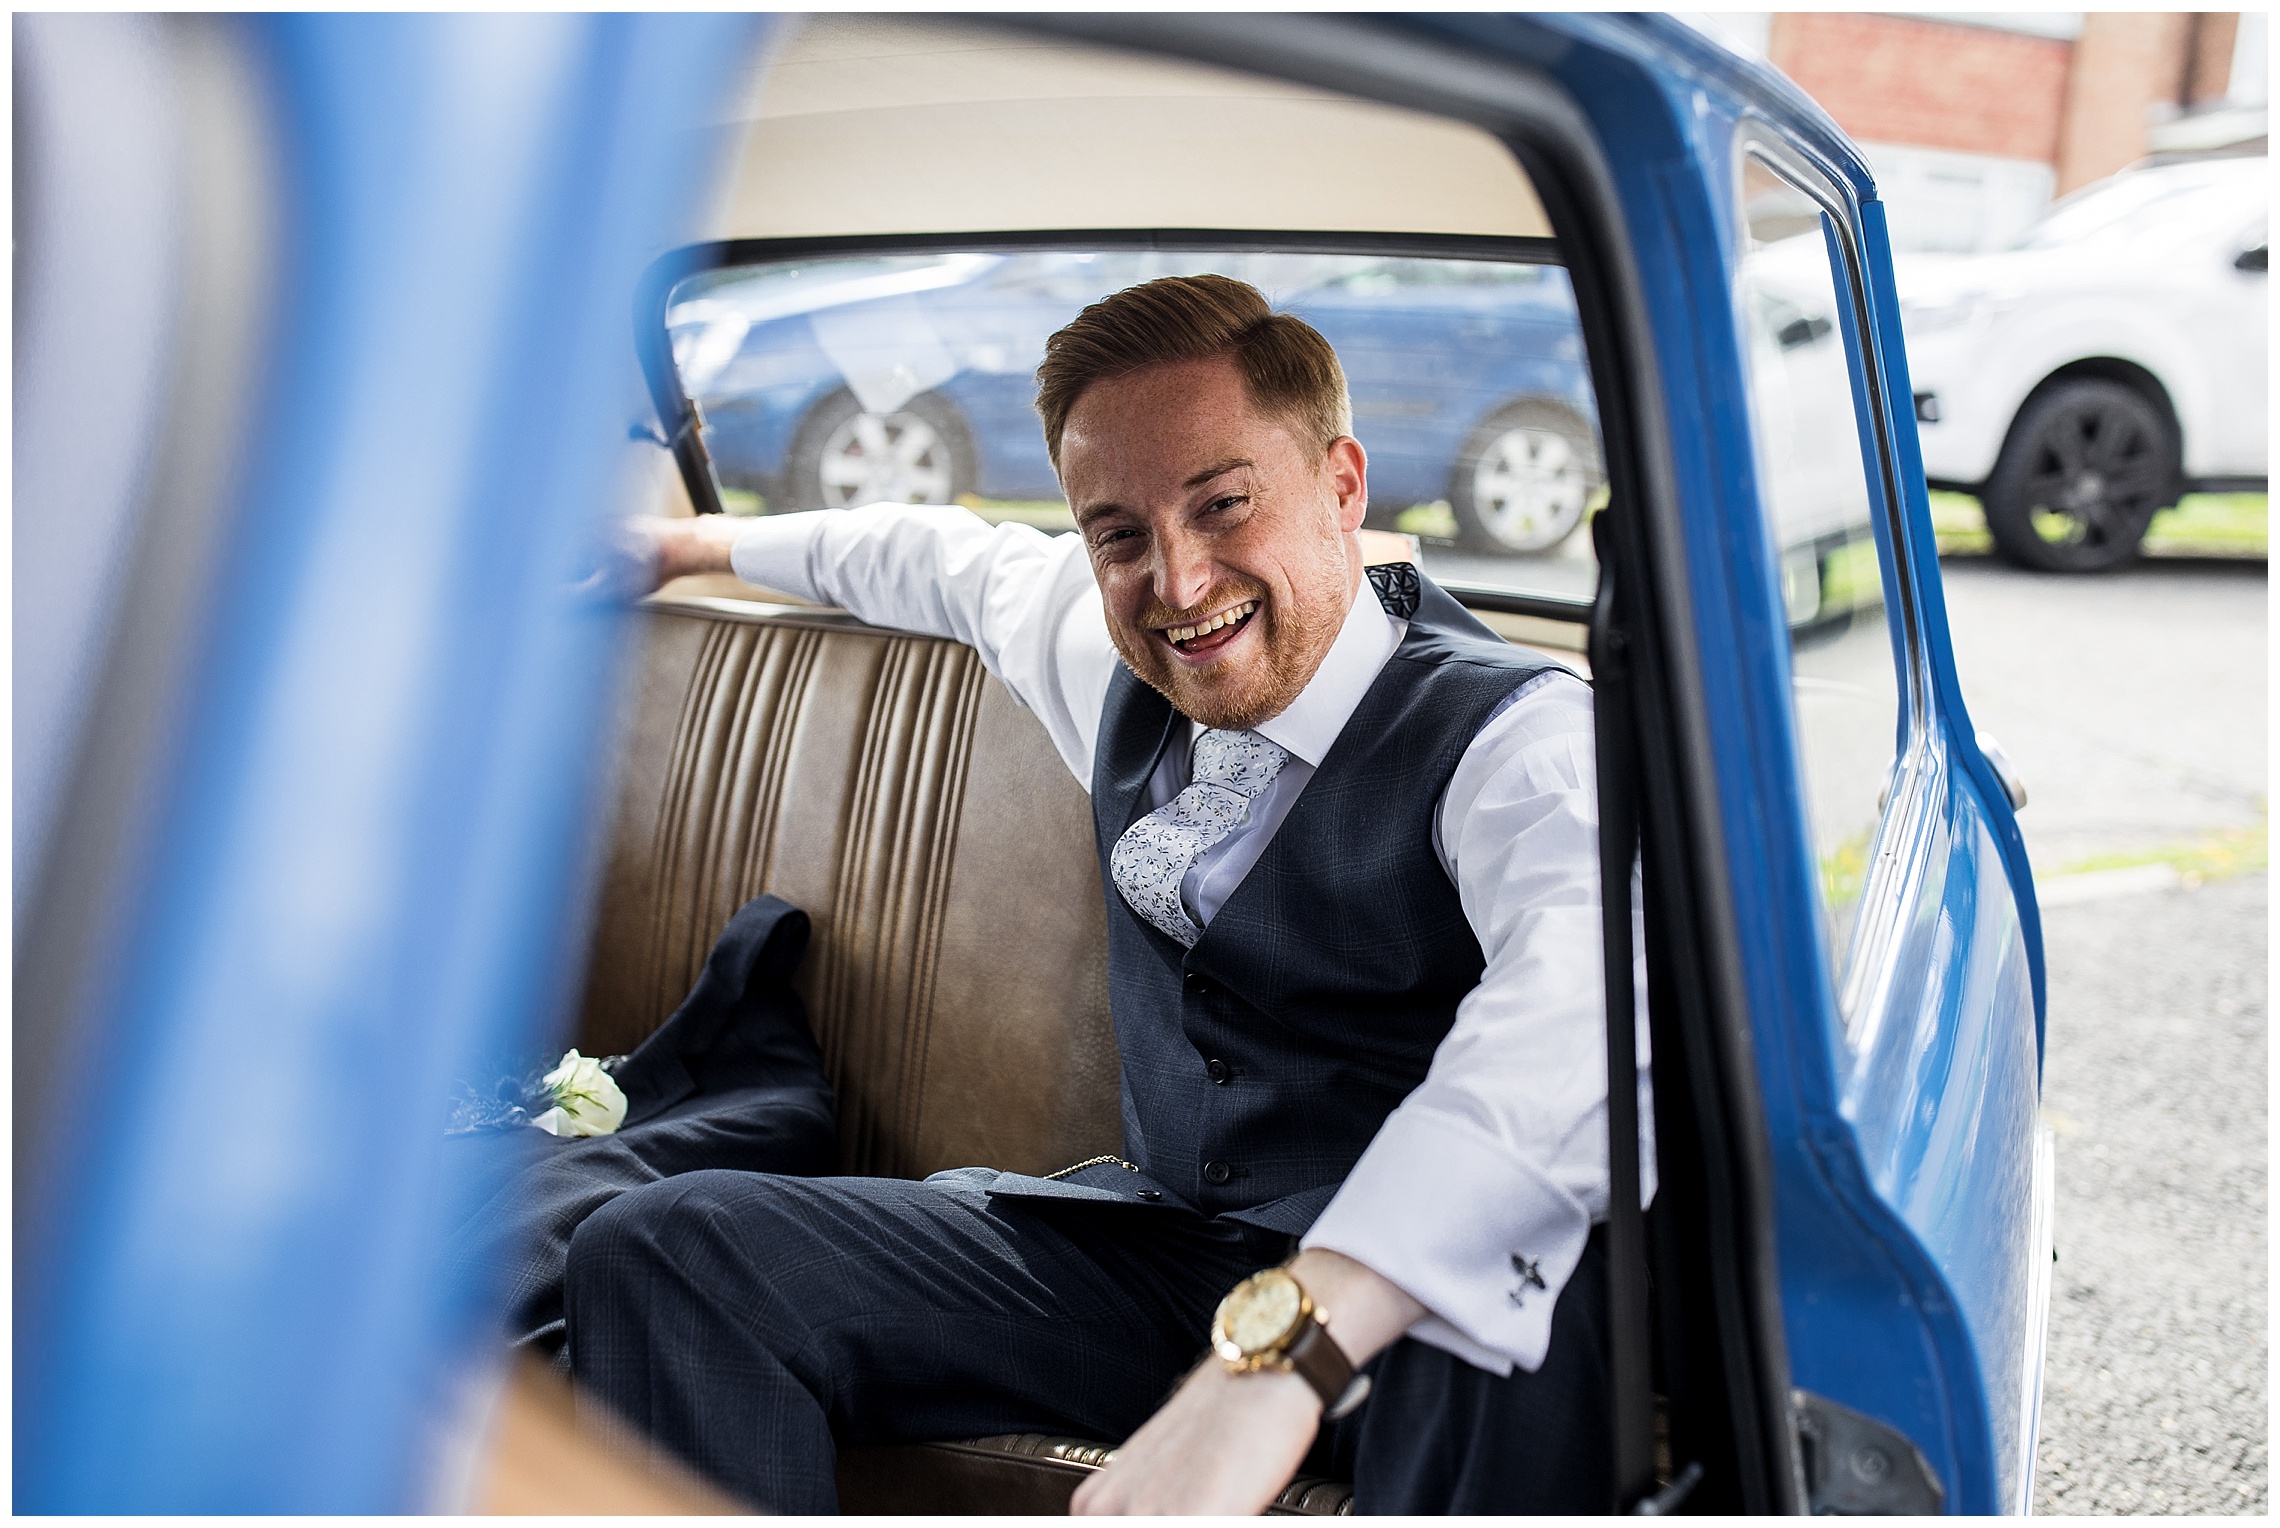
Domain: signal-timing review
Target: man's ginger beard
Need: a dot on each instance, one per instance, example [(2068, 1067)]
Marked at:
[(1293, 640)]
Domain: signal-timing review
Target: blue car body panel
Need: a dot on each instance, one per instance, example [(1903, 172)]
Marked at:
[(1407, 353), (1901, 1172), (233, 1300), (289, 1359)]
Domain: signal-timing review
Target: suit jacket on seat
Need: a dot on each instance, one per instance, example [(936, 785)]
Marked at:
[(731, 1080)]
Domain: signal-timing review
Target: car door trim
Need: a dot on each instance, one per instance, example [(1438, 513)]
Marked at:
[(1898, 857)]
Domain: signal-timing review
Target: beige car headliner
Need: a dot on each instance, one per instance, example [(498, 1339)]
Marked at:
[(870, 125)]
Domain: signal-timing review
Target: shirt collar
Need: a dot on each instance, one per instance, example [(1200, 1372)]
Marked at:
[(1311, 723)]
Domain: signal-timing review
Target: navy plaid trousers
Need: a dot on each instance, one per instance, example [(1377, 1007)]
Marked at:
[(749, 1323)]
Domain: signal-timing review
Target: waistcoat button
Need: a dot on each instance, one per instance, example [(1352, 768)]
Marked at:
[(1216, 1173), (1217, 1070), (1198, 983)]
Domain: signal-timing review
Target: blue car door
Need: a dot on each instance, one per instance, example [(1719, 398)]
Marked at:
[(1921, 1120), (1886, 945)]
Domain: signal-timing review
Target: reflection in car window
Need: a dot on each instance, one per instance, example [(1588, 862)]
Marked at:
[(821, 384), (1813, 473), (1393, 275)]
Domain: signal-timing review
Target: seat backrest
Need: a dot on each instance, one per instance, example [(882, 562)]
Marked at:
[(957, 979)]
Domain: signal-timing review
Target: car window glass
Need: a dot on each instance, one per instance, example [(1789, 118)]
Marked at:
[(821, 384), (1813, 473)]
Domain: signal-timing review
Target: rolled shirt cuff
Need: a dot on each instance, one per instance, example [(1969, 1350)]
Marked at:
[(777, 552), (1481, 1239)]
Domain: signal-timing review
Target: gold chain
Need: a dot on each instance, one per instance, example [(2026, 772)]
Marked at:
[(1078, 1167)]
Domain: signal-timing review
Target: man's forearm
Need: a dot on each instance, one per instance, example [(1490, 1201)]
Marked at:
[(1366, 1311), (691, 544)]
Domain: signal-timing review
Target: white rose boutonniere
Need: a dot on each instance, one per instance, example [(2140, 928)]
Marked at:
[(587, 1100)]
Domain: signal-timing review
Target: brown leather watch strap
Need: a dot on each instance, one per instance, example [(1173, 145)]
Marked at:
[(1317, 1359)]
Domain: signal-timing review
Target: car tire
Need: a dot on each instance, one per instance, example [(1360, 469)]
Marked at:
[(1524, 479), (2086, 467), (842, 456)]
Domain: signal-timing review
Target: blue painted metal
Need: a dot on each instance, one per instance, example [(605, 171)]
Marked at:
[(1997, 815), (1948, 1138), (373, 841), (374, 838), (1901, 1167)]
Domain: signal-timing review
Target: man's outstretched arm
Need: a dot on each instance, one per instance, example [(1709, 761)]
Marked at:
[(1227, 1443), (1025, 601)]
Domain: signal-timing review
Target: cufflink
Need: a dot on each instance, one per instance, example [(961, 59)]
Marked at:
[(1530, 1277)]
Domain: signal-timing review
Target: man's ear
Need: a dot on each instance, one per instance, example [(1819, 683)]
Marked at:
[(1349, 468)]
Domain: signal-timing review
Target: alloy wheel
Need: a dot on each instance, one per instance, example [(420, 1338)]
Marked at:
[(2095, 476), (2089, 464), (1530, 487), (885, 458)]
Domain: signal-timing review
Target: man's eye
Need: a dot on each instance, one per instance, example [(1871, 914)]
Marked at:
[(1229, 502)]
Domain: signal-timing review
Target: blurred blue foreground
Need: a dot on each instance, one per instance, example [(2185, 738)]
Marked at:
[(322, 387)]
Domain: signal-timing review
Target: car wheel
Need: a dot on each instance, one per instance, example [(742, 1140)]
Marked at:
[(1524, 479), (2086, 467), (843, 456)]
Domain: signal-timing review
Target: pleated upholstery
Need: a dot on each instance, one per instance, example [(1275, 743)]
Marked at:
[(957, 980)]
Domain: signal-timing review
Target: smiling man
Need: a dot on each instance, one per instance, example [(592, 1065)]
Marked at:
[(1349, 852)]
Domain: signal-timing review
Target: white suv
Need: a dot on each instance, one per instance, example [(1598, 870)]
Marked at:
[(2109, 362)]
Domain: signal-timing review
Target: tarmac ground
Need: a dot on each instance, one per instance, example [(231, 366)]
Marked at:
[(2154, 1387)]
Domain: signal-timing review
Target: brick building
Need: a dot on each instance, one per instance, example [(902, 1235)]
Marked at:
[(1973, 121)]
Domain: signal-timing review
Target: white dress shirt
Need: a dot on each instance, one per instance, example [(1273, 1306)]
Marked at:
[(1497, 1162)]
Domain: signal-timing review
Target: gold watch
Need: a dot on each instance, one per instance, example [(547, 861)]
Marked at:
[(1270, 1322)]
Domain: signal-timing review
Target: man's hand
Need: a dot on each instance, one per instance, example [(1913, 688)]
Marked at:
[(686, 544), (1227, 1443), (1223, 1443)]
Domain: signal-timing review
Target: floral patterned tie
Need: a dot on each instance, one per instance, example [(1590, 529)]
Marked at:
[(1156, 853)]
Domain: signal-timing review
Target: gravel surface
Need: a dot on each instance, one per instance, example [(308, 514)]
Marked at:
[(2154, 1398), (2133, 704)]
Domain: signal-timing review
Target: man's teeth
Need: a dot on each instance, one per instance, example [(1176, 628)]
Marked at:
[(1225, 618)]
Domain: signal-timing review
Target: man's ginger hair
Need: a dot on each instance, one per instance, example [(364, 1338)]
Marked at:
[(1289, 370)]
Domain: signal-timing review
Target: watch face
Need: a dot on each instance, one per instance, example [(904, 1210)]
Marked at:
[(1259, 1311)]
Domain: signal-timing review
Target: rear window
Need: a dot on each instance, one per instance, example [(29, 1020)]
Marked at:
[(823, 383)]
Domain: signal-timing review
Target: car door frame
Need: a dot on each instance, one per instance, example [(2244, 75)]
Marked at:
[(1505, 75)]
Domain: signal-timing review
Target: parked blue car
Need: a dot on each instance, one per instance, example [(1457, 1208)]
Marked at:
[(315, 777), (1467, 378)]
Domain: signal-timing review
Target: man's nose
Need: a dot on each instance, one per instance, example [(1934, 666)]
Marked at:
[(1183, 570)]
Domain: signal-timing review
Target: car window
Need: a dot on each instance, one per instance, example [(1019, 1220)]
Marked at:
[(1813, 471), (828, 383)]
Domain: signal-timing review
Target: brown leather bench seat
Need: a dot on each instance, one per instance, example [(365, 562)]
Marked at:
[(957, 979)]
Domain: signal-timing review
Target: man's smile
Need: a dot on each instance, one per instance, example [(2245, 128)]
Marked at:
[(1213, 632)]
